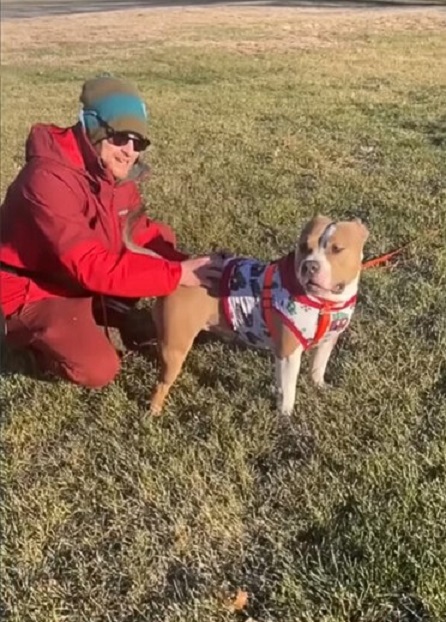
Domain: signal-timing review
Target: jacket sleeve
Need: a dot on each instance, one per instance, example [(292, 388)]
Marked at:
[(159, 238), (57, 212)]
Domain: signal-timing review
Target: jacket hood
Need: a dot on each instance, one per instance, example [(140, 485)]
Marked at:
[(71, 147), (67, 146)]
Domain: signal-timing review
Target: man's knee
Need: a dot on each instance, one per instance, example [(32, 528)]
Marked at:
[(66, 340), (95, 371)]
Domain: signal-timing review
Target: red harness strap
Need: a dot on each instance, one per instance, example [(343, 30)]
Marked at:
[(323, 323), (267, 308), (267, 300), (325, 312)]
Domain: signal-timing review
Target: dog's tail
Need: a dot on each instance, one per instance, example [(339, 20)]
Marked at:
[(131, 220)]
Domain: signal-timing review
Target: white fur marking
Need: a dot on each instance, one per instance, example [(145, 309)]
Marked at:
[(324, 274), (287, 371), (326, 235), (320, 360)]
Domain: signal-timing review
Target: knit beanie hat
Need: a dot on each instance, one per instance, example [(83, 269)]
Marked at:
[(113, 104)]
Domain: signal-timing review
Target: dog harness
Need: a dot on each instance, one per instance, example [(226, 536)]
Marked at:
[(253, 291)]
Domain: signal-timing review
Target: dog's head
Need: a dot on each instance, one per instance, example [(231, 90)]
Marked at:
[(329, 257)]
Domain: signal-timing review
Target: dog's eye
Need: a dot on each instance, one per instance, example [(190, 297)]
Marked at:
[(335, 249), (304, 249)]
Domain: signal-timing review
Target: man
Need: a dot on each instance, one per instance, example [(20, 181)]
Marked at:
[(62, 259)]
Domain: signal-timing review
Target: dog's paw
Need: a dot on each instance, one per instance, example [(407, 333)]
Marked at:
[(320, 384), (155, 411), (284, 422)]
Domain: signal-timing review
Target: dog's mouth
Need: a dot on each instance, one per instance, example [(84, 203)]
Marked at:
[(314, 288)]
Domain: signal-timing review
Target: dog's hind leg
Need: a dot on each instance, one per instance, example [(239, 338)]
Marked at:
[(172, 357), (178, 319)]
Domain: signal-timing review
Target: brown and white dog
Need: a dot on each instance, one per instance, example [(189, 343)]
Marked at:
[(302, 301)]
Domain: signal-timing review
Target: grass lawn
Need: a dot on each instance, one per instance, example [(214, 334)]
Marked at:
[(261, 117)]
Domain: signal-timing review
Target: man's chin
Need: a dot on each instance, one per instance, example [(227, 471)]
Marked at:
[(120, 173)]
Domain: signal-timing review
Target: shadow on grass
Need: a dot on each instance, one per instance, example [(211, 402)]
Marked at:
[(435, 131), (429, 427), (328, 549), (22, 362)]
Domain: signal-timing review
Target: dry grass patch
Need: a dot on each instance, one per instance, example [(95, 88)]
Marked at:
[(255, 29)]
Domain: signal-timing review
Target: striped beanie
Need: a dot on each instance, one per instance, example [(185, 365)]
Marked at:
[(109, 101)]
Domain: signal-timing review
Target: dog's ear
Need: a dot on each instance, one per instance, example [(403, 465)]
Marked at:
[(319, 219), (362, 229), (316, 222)]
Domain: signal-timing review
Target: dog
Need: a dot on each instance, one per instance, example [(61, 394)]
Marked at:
[(302, 301)]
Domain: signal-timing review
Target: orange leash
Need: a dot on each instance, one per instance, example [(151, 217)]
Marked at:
[(381, 259)]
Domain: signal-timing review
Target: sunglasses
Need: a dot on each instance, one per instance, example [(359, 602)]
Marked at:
[(120, 139)]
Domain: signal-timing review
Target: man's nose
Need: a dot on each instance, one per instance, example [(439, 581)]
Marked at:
[(129, 148)]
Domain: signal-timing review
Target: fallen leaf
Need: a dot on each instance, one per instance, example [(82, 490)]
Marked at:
[(239, 602)]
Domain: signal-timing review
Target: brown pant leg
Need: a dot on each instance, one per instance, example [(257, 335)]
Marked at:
[(66, 338), (135, 326)]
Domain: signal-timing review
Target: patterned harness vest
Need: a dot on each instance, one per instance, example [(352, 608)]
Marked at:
[(244, 283)]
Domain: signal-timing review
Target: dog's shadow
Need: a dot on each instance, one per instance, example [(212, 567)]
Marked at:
[(19, 362), (221, 347)]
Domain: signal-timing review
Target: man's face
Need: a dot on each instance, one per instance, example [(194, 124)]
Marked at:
[(118, 158)]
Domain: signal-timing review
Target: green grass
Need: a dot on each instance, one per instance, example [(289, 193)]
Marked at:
[(109, 516)]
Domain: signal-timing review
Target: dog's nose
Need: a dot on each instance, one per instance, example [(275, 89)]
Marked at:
[(311, 267)]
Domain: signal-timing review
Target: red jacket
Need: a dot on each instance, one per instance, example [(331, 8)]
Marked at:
[(63, 216)]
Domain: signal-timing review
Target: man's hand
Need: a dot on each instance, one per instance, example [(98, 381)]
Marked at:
[(202, 272)]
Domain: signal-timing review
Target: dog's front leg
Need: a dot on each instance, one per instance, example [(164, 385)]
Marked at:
[(319, 360), (287, 371)]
